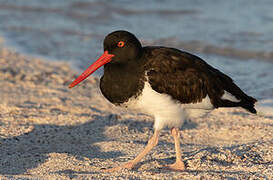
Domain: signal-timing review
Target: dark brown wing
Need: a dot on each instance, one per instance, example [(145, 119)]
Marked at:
[(189, 79)]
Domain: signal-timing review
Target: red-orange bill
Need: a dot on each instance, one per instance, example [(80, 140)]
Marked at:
[(104, 59)]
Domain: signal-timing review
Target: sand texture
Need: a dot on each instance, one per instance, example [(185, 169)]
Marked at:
[(48, 131)]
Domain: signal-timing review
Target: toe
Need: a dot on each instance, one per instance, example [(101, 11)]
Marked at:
[(178, 166), (128, 165)]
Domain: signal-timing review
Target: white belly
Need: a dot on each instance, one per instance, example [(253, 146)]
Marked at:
[(166, 111), (162, 107)]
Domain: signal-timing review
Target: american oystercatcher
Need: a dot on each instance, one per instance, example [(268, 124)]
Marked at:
[(166, 83)]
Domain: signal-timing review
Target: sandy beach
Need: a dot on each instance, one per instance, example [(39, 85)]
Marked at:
[(48, 131)]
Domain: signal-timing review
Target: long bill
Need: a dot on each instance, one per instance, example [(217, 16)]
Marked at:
[(104, 59)]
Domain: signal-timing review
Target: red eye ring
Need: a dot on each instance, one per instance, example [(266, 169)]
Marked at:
[(121, 43)]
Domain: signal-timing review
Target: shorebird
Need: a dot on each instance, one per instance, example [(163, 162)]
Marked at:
[(169, 84)]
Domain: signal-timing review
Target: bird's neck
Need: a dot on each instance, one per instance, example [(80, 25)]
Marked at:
[(121, 81)]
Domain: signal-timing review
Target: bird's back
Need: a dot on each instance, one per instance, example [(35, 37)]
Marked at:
[(189, 79)]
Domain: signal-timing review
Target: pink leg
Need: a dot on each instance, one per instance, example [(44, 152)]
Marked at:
[(178, 165), (129, 165)]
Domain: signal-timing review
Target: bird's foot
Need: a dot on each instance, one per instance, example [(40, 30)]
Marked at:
[(177, 166), (128, 165)]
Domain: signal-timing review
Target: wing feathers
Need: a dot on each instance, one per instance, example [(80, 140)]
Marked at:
[(189, 79)]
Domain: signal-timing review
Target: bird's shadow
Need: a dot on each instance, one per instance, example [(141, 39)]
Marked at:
[(29, 150), (189, 124)]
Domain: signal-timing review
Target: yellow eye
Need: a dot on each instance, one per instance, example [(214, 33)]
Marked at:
[(121, 43)]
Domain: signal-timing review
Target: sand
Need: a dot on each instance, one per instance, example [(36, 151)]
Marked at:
[(48, 131)]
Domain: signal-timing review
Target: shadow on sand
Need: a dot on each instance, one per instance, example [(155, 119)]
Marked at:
[(29, 150)]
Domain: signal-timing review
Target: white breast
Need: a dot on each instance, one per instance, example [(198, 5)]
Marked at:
[(165, 110)]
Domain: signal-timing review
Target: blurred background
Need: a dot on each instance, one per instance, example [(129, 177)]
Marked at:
[(234, 36)]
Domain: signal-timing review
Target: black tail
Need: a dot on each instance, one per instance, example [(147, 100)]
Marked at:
[(249, 105), (247, 102), (223, 83)]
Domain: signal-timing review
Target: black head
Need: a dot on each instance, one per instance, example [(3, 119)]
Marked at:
[(120, 47), (124, 45)]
